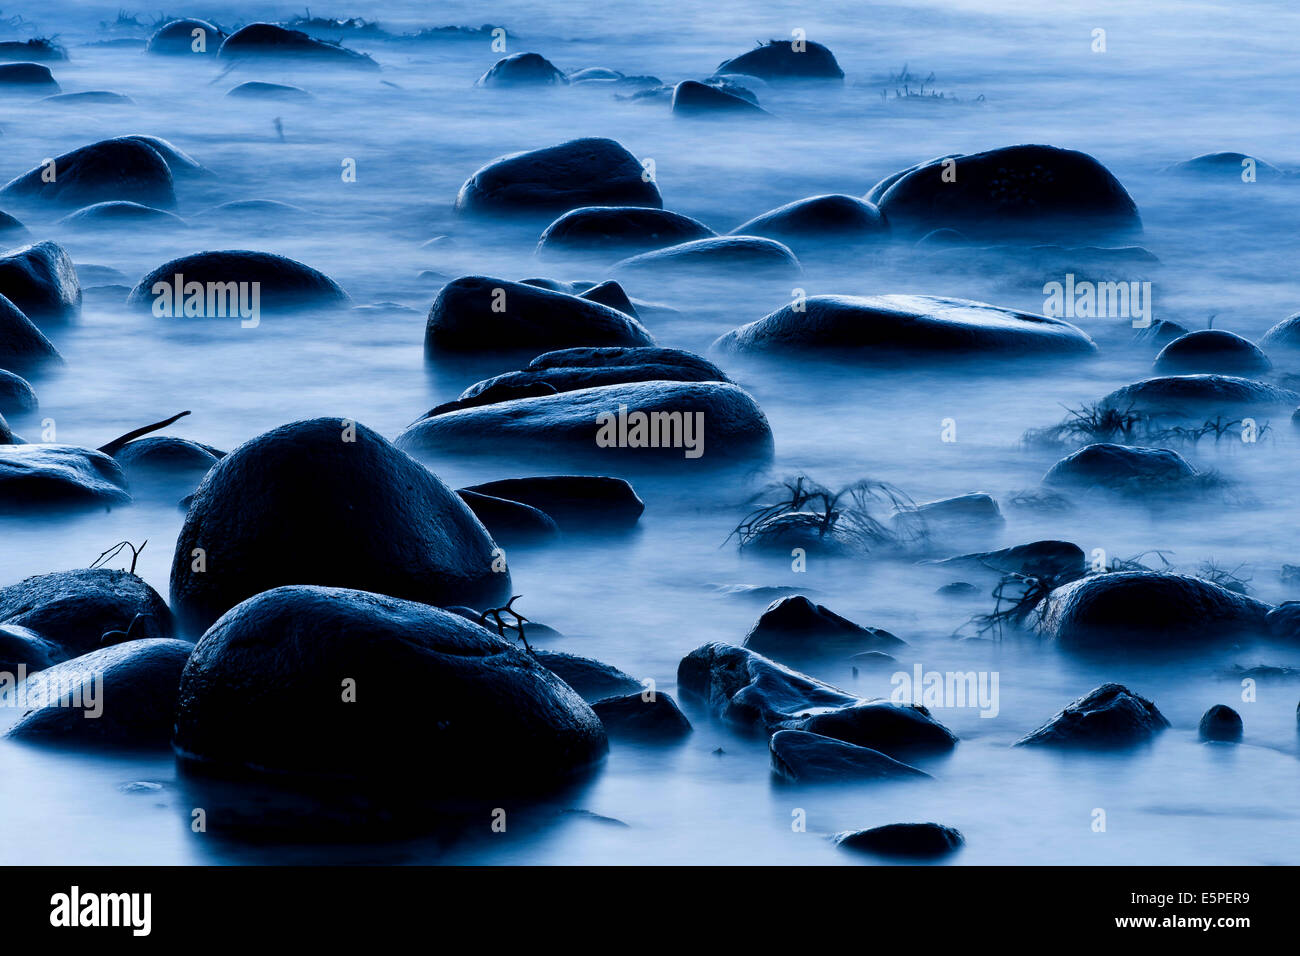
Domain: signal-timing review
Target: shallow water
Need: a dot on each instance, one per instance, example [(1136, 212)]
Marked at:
[(1177, 80)]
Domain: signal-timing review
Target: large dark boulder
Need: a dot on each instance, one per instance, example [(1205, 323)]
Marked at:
[(522, 69), (785, 60), (119, 696), (1031, 193), (796, 629), (965, 516), (510, 522), (268, 41), (921, 841), (166, 462), (887, 327), (748, 256), (1045, 560), (1284, 336), (577, 502), (1220, 723), (58, 477), (36, 50), (1201, 396), (31, 77), (120, 168), (1212, 350), (643, 717), (593, 680), (752, 691), (1147, 610), (21, 647), (820, 223), (16, 394), (1106, 465), (693, 98), (22, 345), (902, 731), (282, 284), (630, 426), (567, 370), (477, 313), (1109, 717), (179, 38), (625, 230), (553, 180), (435, 698), (73, 610), (329, 502), (41, 280), (801, 757), (181, 163)]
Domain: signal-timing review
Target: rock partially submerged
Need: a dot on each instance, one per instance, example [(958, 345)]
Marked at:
[(577, 503), (74, 610), (329, 502), (22, 345), (628, 426), (1147, 610), (510, 522), (478, 313), (885, 327), (522, 69), (907, 840), (593, 680), (1106, 465), (41, 281), (1201, 395), (16, 394), (1046, 560), (1212, 350), (794, 628), (268, 41), (556, 179), (832, 222), (282, 284), (265, 692), (121, 168), (1109, 717), (626, 229), (643, 717), (1027, 193), (119, 214), (1220, 723), (58, 477), (801, 757), (785, 60), (119, 696), (749, 256), (1283, 336), (1229, 167), (901, 731), (281, 92), (692, 98), (186, 37), (30, 77)]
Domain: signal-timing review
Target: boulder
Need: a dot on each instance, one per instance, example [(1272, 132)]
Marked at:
[(1212, 350), (886, 327), (41, 280), (329, 502), (901, 731), (522, 69), (477, 313), (120, 696), (21, 647), (692, 98), (1201, 396), (631, 426), (1045, 560), (268, 41), (166, 461), (625, 229), (83, 97), (633, 716), (1109, 717), (1227, 167), (1221, 723), (785, 60), (923, 841), (1026, 193), (612, 294), (118, 214), (58, 477), (120, 168), (819, 223), (593, 680), (22, 345), (553, 180), (16, 395), (947, 518), (1285, 336), (280, 92), (181, 163), (794, 628), (739, 255), (186, 37), (34, 77), (1106, 465), (1147, 610), (510, 522), (1283, 621), (282, 284), (37, 50), (1160, 333), (73, 610), (577, 503), (751, 691), (801, 757), (264, 692)]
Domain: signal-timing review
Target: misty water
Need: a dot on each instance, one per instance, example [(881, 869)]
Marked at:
[(1176, 80)]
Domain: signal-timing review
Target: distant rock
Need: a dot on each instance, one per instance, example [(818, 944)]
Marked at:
[(257, 90), (1221, 723), (1045, 560), (625, 229), (794, 628), (89, 97), (801, 757), (1107, 465), (1212, 350), (522, 69), (736, 255), (692, 98), (122, 215), (786, 60), (1201, 395), (1109, 717), (186, 37), (29, 77), (268, 41), (1228, 167)]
